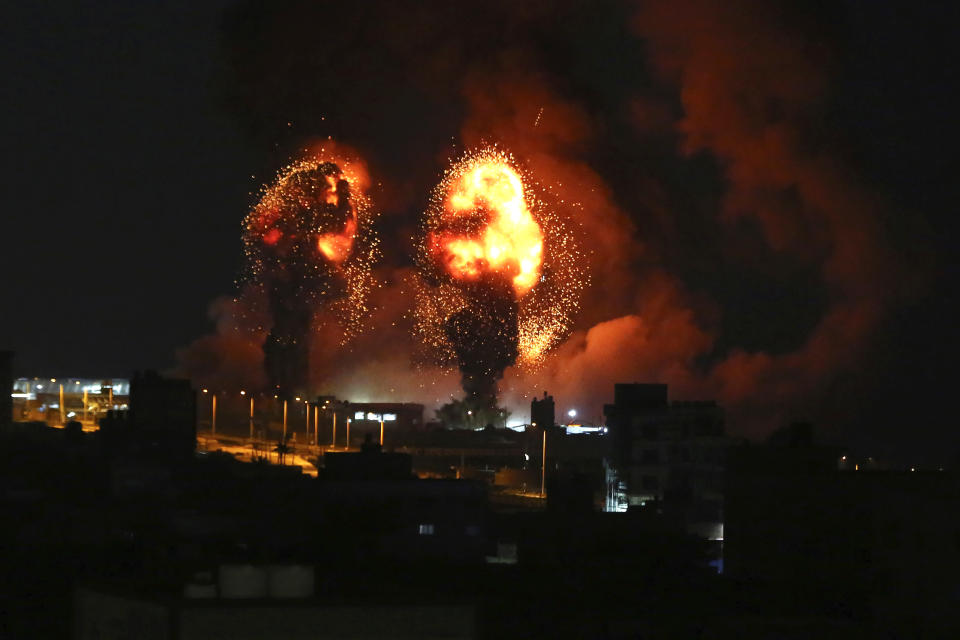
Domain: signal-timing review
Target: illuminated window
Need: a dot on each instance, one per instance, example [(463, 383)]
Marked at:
[(373, 416), (358, 415), (389, 417), (425, 529)]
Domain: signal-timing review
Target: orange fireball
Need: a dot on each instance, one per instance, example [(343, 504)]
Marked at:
[(489, 197)]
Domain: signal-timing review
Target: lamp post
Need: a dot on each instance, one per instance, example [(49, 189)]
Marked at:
[(381, 430), (543, 463), (348, 433), (284, 421), (213, 422), (306, 433), (334, 443), (62, 412), (251, 415), (316, 423)]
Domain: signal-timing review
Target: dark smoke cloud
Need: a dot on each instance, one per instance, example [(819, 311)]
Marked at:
[(734, 253)]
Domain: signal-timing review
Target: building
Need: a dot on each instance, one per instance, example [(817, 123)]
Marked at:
[(670, 455), (875, 544), (365, 417), (249, 601), (163, 415), (542, 411)]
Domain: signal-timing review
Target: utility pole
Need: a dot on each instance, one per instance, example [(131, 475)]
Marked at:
[(251, 417), (543, 463)]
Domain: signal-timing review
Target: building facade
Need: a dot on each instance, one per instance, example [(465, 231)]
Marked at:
[(669, 455)]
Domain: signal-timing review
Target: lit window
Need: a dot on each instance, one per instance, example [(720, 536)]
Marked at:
[(358, 415), (373, 416), (425, 529), (389, 417)]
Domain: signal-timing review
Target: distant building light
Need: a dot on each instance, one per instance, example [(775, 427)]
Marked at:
[(28, 396), (572, 413), (373, 416), (425, 529), (242, 392), (358, 415), (53, 379), (389, 417), (71, 414), (39, 386)]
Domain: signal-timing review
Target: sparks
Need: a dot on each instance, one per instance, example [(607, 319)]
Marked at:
[(501, 273), (310, 245)]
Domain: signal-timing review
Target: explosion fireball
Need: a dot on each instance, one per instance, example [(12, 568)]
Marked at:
[(310, 246), (501, 273)]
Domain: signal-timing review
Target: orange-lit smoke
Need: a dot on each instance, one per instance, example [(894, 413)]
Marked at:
[(491, 195)]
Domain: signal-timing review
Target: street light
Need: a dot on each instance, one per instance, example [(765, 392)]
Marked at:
[(543, 464), (251, 416)]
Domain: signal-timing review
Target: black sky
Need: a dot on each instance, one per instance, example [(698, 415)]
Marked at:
[(127, 174)]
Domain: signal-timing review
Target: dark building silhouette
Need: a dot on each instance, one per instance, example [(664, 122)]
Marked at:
[(670, 455), (873, 544), (6, 380), (542, 411), (161, 421)]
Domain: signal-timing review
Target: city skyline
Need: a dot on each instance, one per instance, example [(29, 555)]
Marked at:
[(163, 131)]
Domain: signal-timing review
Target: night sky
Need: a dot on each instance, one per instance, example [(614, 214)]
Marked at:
[(137, 135)]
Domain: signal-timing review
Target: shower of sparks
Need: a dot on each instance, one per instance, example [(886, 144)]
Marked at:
[(539, 114), (310, 238), (500, 269)]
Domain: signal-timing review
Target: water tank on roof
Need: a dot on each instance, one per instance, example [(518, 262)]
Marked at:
[(242, 581), (290, 581)]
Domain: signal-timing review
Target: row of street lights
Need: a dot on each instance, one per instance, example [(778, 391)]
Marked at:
[(316, 418)]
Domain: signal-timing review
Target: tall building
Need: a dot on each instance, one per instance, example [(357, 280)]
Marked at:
[(163, 413), (542, 411), (669, 455)]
